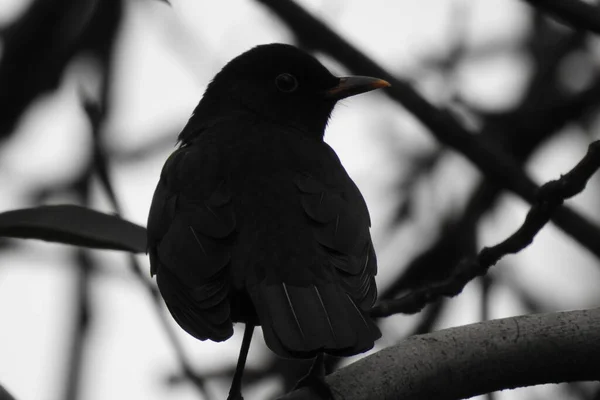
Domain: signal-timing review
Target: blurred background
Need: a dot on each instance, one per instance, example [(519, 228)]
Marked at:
[(93, 94)]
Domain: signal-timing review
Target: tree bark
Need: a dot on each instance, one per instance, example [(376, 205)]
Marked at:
[(475, 359)]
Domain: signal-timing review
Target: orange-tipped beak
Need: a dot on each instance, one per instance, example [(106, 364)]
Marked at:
[(351, 85)]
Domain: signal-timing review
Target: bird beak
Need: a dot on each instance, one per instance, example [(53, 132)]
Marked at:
[(351, 85)]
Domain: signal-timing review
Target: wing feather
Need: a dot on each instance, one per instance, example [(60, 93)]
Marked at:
[(190, 227)]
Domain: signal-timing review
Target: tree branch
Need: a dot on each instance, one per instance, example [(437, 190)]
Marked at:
[(575, 13), (550, 197), (475, 359), (101, 164), (541, 114)]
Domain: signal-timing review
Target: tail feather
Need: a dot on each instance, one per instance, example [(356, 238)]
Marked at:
[(348, 317), (299, 321)]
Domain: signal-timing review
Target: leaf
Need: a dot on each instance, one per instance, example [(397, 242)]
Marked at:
[(71, 224)]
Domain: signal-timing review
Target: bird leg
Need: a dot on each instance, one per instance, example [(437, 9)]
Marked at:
[(235, 393), (315, 379)]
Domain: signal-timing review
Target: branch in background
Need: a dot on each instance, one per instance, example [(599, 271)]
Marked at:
[(575, 13), (550, 197), (528, 131), (424, 164), (96, 34), (429, 318), (543, 111), (474, 359), (96, 114), (82, 314), (455, 240), (153, 145), (486, 282), (527, 300), (186, 366), (4, 394), (415, 172), (35, 54), (38, 47), (81, 321), (492, 161)]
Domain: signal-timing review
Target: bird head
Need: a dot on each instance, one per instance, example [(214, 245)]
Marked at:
[(279, 83)]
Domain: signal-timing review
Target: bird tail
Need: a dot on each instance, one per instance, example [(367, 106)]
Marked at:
[(300, 321)]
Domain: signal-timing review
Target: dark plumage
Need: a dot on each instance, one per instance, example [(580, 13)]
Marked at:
[(254, 218)]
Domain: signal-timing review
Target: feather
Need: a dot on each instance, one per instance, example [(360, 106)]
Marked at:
[(189, 235), (289, 301), (326, 314)]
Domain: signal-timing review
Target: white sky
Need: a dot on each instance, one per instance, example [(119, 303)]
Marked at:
[(165, 57)]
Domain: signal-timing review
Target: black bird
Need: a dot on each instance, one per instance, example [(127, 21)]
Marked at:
[(255, 220)]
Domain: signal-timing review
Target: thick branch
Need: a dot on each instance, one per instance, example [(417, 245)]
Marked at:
[(491, 160), (474, 359)]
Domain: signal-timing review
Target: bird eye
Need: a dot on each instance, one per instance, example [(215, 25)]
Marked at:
[(286, 82)]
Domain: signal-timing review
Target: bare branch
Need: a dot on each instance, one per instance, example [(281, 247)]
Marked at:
[(550, 197), (101, 167), (480, 358), (97, 114), (475, 359), (575, 13)]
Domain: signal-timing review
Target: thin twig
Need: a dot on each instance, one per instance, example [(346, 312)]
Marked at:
[(429, 317), (81, 320), (542, 113), (549, 198), (97, 112), (82, 314)]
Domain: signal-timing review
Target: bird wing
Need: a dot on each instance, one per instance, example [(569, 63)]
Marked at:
[(329, 313), (190, 228)]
